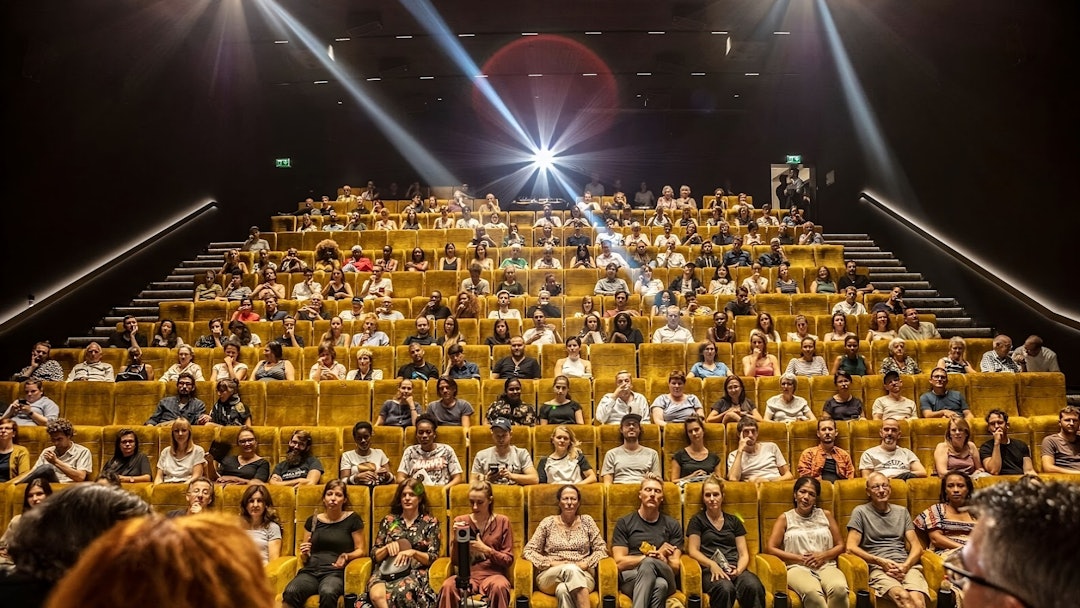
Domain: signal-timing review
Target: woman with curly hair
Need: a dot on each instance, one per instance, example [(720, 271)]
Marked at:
[(327, 255), (467, 306)]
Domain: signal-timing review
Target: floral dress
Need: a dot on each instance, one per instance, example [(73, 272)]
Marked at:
[(413, 590), (521, 413)]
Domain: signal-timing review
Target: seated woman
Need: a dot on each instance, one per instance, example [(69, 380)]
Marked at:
[(410, 221), (492, 551), (510, 406), (451, 334), (504, 311), (717, 540), (233, 262), (694, 462), (949, 523), (898, 361), (810, 363), (851, 362), (370, 334), (662, 300), (337, 288), (417, 261), (623, 330), (592, 330), (720, 332), (588, 307), (239, 331), (760, 362), (572, 365), (802, 330), (880, 327), (722, 283), (955, 362), (405, 546), (228, 410), (755, 283), (136, 370), (707, 365), (182, 460), (449, 259), (839, 328), (767, 328), (185, 362), (364, 369), (958, 452), (510, 283), (209, 290), (480, 256), (734, 404), (500, 334), (15, 459), (127, 462), (566, 463), (245, 313), (448, 410), (92, 368), (384, 222), (34, 493), (327, 367), (402, 410), (231, 368), (565, 550), (561, 409), (467, 306), (787, 406), (824, 282), (807, 538), (335, 335), (200, 497), (582, 258), (340, 540), (444, 220), (273, 366), (166, 336), (843, 405), (247, 467), (261, 521), (676, 405), (646, 285)]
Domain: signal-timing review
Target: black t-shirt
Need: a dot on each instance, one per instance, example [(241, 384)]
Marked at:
[(1012, 456), (560, 414), (287, 473), (328, 541), (848, 410), (424, 372), (259, 469), (713, 539), (5, 466), (528, 368), (427, 340), (860, 281), (688, 465), (135, 466), (631, 530), (735, 308)]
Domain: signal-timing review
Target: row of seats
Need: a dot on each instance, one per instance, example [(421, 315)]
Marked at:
[(758, 506), (330, 440), (397, 206)]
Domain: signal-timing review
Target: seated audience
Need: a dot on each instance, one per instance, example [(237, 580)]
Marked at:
[(630, 462), (843, 405), (958, 452), (1000, 359), (182, 405), (92, 368), (432, 463), (1032, 356), (273, 366), (647, 547), (299, 467), (955, 362), (1001, 454), (787, 406), (913, 329), (888, 458), (245, 468), (940, 402), (1061, 450), (753, 460), (34, 409), (825, 460), (365, 465), (182, 460)]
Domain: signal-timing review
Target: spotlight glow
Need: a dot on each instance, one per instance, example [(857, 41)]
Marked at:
[(543, 159)]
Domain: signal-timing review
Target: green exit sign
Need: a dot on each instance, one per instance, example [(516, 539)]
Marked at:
[(286, 163), (794, 159)]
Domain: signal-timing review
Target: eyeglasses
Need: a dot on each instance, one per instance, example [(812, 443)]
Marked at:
[(960, 578)]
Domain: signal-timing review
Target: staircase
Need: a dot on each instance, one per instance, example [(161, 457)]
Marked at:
[(179, 285), (886, 272)]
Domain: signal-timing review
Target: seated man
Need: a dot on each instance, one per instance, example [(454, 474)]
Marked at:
[(672, 332), (545, 306), (474, 284), (434, 309), (130, 334), (273, 313), (299, 468), (610, 284), (357, 262), (517, 364), (1061, 451), (333, 223), (303, 290), (647, 547), (289, 337), (386, 312), (378, 285), (894, 405), (825, 460), (542, 332), (459, 368), (707, 259), (70, 461), (622, 401), (883, 535), (418, 368), (737, 256), (775, 255), (504, 463), (355, 312), (423, 335), (859, 281), (940, 402), (890, 459), (622, 298), (1003, 455), (41, 366), (1032, 356), (895, 304), (255, 242), (35, 409), (999, 360), (913, 329), (92, 368), (515, 258), (849, 306), (233, 292), (608, 257), (631, 461), (741, 306), (184, 405), (578, 237), (754, 460)]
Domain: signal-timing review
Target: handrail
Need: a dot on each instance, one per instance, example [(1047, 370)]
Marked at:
[(85, 276), (979, 269)]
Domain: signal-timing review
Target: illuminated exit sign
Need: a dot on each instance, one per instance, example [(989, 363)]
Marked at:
[(792, 159), (286, 163)]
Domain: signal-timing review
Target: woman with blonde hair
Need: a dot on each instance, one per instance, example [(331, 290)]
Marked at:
[(364, 369), (955, 362), (492, 550), (760, 362), (335, 335), (181, 460)]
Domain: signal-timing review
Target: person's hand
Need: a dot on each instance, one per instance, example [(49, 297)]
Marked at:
[(341, 560), (718, 573), (50, 457), (744, 442), (305, 550), (404, 557), (667, 550), (368, 477), (229, 361), (216, 331), (479, 547), (203, 419), (393, 548), (999, 436), (699, 473)]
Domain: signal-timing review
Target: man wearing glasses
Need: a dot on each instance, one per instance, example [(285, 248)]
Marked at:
[(1016, 556), (883, 535), (940, 402)]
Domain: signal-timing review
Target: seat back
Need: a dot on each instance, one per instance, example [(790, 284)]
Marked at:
[(622, 498), (777, 497), (134, 402), (89, 402), (740, 500), (343, 403), (292, 402), (542, 502)]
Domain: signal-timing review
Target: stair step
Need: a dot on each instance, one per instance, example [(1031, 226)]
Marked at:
[(185, 283), (81, 341), (931, 302), (894, 277), (840, 236), (881, 266), (953, 322), (919, 294), (225, 245), (887, 285), (952, 311), (200, 266), (968, 332), (182, 274), (153, 294)]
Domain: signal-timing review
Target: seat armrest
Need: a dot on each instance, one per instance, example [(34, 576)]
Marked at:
[(771, 571), (524, 573), (857, 573), (439, 572), (609, 578), (689, 575), (357, 573), (280, 571)]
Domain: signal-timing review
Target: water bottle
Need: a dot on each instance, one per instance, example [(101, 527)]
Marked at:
[(780, 600)]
